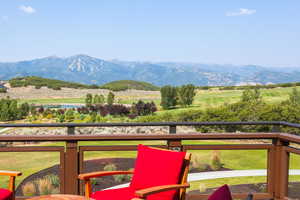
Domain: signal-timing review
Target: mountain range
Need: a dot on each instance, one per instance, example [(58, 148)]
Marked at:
[(89, 70)]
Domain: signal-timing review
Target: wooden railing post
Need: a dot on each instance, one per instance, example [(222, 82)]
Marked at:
[(172, 129), (71, 130), (271, 169), (281, 169), (175, 145), (71, 168)]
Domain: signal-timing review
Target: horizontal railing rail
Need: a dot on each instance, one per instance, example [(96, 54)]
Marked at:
[(152, 124), (276, 144)]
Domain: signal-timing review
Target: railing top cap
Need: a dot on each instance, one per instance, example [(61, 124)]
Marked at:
[(152, 124)]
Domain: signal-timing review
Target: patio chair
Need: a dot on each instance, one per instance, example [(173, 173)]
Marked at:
[(159, 174), (9, 194)]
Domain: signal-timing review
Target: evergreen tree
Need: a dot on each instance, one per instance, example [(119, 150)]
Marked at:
[(110, 98), (168, 97)]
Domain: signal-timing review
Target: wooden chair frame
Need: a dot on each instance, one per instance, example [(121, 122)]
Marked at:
[(142, 194), (12, 177)]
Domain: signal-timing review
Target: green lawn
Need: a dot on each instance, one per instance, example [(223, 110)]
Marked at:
[(195, 185), (203, 99), (30, 163)]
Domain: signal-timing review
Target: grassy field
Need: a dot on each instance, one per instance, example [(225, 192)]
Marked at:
[(30, 163), (203, 99)]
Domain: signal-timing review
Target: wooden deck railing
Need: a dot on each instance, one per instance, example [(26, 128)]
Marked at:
[(72, 154)]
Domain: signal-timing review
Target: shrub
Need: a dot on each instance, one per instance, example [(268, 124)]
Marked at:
[(140, 108), (54, 180), (61, 118), (29, 189), (69, 115), (197, 163), (122, 177), (202, 187), (56, 88), (44, 185), (110, 167), (216, 161)]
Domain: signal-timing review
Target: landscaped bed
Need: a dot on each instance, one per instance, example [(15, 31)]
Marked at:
[(128, 163)]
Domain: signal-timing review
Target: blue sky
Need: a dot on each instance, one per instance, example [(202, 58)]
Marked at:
[(263, 32)]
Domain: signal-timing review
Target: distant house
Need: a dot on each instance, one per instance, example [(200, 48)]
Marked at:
[(2, 85)]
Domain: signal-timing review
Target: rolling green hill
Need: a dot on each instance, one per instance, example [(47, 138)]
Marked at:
[(129, 84), (39, 82)]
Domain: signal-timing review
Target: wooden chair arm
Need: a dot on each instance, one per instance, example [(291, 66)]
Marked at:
[(12, 177), (87, 176), (10, 173), (142, 194)]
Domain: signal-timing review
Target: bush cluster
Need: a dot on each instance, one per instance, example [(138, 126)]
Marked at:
[(43, 186), (104, 110), (141, 109)]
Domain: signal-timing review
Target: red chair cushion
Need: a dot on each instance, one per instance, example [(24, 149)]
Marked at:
[(114, 194), (222, 193), (5, 194), (156, 167)]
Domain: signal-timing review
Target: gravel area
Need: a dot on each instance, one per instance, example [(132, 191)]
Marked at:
[(44, 93)]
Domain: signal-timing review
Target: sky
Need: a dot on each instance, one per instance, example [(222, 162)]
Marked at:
[(260, 32)]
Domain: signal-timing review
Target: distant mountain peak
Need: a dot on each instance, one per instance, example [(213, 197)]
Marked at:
[(85, 63), (86, 69)]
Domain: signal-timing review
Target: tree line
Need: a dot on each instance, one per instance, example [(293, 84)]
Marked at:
[(10, 110), (172, 96)]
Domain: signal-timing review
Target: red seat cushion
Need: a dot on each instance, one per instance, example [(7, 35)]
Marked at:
[(114, 194), (156, 167), (5, 194), (222, 193)]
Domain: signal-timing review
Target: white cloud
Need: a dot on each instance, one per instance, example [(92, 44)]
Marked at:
[(27, 9), (241, 11)]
